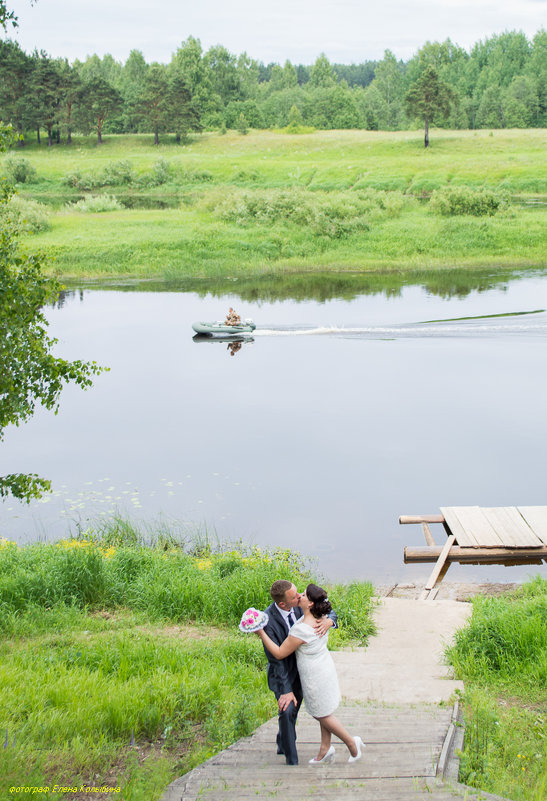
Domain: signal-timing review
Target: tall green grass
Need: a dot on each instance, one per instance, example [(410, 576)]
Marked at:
[(192, 242), (76, 705), (511, 159), (114, 568), (271, 203), (123, 644), (502, 656)]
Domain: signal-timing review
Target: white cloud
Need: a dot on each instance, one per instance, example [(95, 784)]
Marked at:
[(346, 30)]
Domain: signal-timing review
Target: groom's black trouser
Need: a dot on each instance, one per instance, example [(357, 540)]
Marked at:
[(286, 736)]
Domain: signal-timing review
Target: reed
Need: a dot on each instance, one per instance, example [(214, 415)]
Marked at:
[(121, 663), (502, 656)]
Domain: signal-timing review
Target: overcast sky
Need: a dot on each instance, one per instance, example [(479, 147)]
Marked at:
[(348, 31)]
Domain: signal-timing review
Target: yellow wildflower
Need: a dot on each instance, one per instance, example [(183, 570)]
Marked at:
[(73, 544), (4, 543)]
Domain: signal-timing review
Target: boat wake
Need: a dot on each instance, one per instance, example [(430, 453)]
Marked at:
[(490, 325)]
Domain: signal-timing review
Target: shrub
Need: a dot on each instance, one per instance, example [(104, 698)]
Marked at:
[(116, 173), (333, 215), (19, 170), (462, 200), (162, 171), (196, 176), (78, 181), (28, 216), (160, 174), (393, 203), (96, 203)]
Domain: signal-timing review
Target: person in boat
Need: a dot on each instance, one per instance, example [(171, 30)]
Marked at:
[(232, 318), (312, 675)]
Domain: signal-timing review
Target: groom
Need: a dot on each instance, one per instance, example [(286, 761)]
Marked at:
[(283, 678)]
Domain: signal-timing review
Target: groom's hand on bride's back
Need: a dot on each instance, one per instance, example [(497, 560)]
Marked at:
[(284, 700), (323, 625)]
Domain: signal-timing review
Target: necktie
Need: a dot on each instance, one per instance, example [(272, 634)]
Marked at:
[(290, 619)]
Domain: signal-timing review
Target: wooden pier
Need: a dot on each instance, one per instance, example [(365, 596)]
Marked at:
[(507, 535), (410, 755)]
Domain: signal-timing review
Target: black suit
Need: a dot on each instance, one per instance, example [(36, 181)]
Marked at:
[(283, 678)]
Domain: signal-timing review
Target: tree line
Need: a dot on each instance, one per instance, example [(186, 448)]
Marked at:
[(500, 83)]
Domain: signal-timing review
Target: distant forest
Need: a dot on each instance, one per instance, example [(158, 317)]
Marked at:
[(500, 83)]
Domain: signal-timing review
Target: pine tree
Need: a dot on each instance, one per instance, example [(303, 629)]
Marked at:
[(429, 96)]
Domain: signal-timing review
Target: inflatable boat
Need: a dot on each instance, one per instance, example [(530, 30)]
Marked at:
[(220, 328)]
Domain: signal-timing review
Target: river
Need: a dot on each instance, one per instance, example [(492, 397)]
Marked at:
[(344, 410)]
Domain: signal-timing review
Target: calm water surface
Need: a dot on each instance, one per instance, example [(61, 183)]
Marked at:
[(336, 418)]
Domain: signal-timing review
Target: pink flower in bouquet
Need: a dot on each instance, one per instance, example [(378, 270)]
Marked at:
[(252, 620)]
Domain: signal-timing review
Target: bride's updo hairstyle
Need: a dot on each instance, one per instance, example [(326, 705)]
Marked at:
[(321, 604)]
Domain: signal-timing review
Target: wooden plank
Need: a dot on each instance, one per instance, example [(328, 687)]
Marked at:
[(440, 563), (511, 527), (536, 517), (320, 788), (315, 790), (476, 556), (428, 535), (409, 519), (478, 527), (374, 732), (464, 540)]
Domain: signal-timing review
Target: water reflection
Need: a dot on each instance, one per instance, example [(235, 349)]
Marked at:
[(233, 343), (149, 201), (66, 295), (344, 416), (323, 287)]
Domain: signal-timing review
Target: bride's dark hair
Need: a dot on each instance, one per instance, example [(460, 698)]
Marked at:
[(318, 596)]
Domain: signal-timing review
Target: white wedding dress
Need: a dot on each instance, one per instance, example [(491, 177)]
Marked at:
[(317, 671)]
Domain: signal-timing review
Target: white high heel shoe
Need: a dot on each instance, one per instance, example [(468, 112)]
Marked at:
[(359, 744), (329, 757)]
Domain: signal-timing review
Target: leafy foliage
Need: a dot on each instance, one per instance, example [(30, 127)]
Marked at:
[(429, 97), (29, 373), (333, 215), (6, 16), (94, 204), (19, 170), (499, 83), (27, 216), (463, 200)]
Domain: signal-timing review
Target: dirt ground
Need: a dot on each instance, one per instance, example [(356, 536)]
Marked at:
[(453, 591)]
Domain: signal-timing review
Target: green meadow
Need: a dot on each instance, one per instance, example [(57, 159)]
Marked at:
[(502, 657), (121, 663), (271, 203)]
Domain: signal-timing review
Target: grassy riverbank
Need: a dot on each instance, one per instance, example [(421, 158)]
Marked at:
[(121, 664), (502, 657), (270, 203)]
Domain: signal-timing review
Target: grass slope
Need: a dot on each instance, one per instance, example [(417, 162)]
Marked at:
[(270, 203), (121, 664), (502, 657)]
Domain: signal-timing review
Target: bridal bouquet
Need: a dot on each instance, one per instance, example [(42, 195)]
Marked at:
[(253, 620)]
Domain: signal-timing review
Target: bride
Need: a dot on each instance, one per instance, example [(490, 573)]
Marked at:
[(317, 673)]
